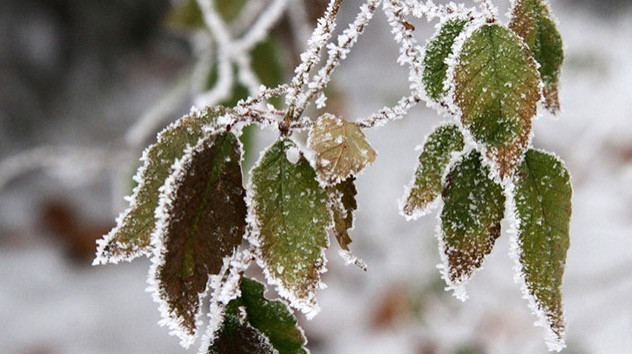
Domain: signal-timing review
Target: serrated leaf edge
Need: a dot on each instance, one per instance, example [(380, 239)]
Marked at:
[(308, 306), (441, 106), (169, 318), (449, 98), (101, 258), (542, 104), (511, 216), (312, 157), (468, 144), (458, 288)]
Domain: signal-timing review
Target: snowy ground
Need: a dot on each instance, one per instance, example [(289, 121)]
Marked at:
[(50, 305)]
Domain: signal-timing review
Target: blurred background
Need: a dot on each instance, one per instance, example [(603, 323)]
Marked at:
[(77, 76)]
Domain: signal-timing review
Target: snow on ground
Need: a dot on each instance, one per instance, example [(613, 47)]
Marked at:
[(398, 306)]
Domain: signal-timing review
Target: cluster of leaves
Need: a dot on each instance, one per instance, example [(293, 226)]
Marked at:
[(202, 225), (189, 213), (482, 167)]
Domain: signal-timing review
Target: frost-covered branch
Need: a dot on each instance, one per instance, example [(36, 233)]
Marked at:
[(264, 95), (246, 17), (432, 11), (410, 51), (386, 114), (311, 56), (260, 28), (337, 53)]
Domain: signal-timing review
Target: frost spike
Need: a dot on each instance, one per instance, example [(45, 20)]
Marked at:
[(435, 156), (202, 220), (341, 148), (131, 236), (532, 20), (497, 88), (470, 220), (289, 217), (543, 205)]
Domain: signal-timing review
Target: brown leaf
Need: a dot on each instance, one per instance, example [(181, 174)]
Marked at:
[(202, 220), (343, 204), (341, 148)]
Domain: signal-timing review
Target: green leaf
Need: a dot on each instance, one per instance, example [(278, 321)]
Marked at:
[(261, 325), (202, 221), (543, 204), (532, 20), (289, 211), (131, 237), (470, 221), (433, 162), (254, 324), (437, 51), (497, 89), (341, 148), (342, 203)]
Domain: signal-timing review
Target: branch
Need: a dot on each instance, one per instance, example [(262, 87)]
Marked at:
[(431, 11), (337, 53), (259, 29), (387, 114), (410, 51), (322, 33)]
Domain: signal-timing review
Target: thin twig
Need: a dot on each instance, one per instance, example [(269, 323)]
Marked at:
[(322, 33), (337, 53), (387, 114)]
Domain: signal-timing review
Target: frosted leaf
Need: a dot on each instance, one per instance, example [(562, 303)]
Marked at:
[(202, 220), (437, 51), (131, 236), (543, 205), (289, 216), (435, 156), (341, 148), (254, 324), (497, 87), (342, 204), (470, 220), (532, 20)]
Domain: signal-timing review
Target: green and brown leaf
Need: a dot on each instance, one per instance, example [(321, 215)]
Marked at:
[(532, 20), (289, 211), (433, 162), (202, 221), (341, 148), (543, 204), (131, 237), (254, 324), (497, 88), (473, 209)]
